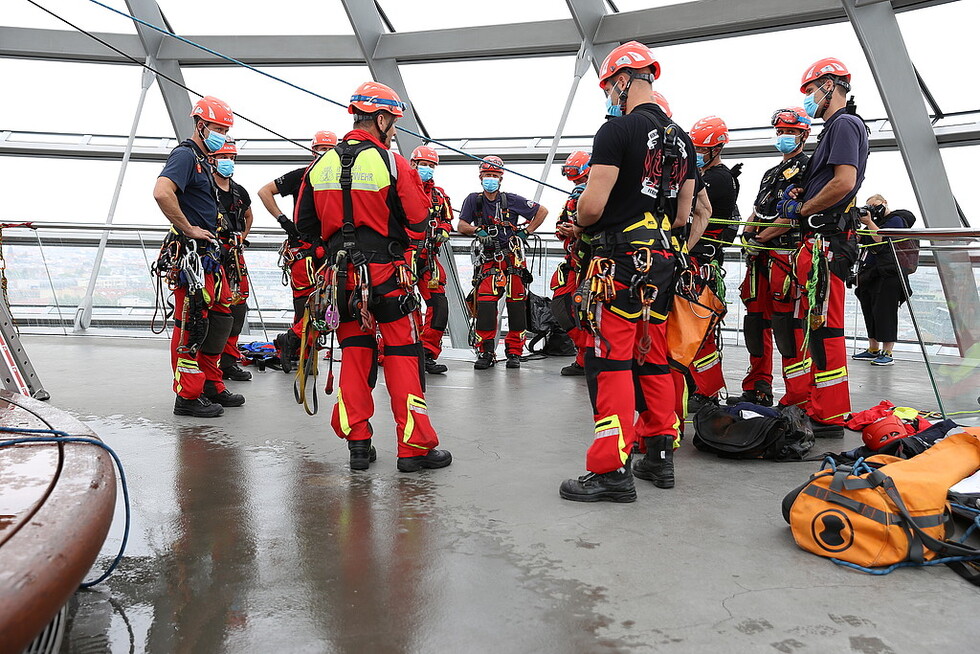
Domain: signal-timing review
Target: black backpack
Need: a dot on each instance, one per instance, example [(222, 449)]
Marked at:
[(542, 324), (722, 431)]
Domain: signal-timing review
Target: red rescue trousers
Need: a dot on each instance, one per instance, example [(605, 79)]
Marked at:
[(563, 282), (239, 307), (787, 327), (403, 370), (302, 281), (829, 398), (192, 370), (432, 288), (499, 278), (620, 385), (757, 325)]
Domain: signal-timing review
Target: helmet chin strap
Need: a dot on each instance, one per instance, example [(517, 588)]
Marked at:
[(825, 102)]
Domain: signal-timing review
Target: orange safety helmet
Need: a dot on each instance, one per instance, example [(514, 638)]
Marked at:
[(662, 102), (823, 67), (324, 137), (576, 167), (633, 55), (212, 110), (794, 118), (492, 164), (426, 153), (371, 97), (709, 132), (227, 148), (884, 431)]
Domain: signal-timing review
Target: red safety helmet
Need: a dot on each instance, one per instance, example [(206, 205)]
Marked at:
[(633, 55), (795, 118), (576, 167), (884, 431), (492, 164), (425, 153), (371, 97), (227, 148), (324, 137), (662, 102), (212, 110), (709, 132), (823, 67)]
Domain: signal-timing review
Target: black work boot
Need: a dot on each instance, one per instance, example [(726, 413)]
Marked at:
[(825, 430), (199, 407), (513, 361), (235, 372), (696, 401), (574, 369), (224, 398), (615, 486), (761, 395), (432, 459), (658, 463), (362, 454), (287, 344), (432, 366), (485, 359)]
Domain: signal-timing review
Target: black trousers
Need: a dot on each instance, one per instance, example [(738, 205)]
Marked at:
[(880, 296)]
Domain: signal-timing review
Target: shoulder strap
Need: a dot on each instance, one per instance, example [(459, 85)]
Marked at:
[(348, 154)]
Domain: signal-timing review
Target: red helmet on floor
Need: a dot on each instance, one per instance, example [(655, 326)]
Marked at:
[(212, 110), (795, 118), (576, 167), (633, 55), (826, 66), (372, 96), (324, 137), (662, 102), (709, 132), (884, 431), (227, 148), (425, 153), (492, 164)]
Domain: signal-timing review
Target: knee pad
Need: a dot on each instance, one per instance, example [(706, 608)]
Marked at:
[(784, 333), (299, 307), (219, 328), (818, 348), (439, 306), (369, 343), (753, 327), (238, 313), (517, 315), (486, 316)]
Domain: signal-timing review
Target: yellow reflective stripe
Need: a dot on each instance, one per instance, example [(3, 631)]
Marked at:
[(802, 365), (342, 413), (830, 374), (611, 426), (708, 359), (414, 404), (369, 172), (624, 314)]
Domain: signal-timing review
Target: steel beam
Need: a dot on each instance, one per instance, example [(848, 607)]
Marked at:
[(175, 98), (587, 16), (677, 23)]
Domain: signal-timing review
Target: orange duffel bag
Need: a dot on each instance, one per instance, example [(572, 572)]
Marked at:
[(689, 323), (884, 510)]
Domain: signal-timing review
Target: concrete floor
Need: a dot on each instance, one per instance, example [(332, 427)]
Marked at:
[(250, 534)]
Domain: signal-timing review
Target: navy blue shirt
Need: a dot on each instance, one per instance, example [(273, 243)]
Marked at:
[(844, 141), (516, 204), (188, 168)]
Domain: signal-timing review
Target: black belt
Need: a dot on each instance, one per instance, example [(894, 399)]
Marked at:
[(610, 240)]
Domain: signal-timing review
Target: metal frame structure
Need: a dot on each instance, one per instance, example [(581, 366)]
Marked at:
[(589, 30)]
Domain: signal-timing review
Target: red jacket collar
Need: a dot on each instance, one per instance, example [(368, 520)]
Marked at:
[(361, 135)]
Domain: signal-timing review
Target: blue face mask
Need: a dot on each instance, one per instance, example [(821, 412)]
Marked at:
[(226, 167), (785, 143), (613, 109), (426, 172), (491, 184), (700, 160), (810, 106), (213, 141)]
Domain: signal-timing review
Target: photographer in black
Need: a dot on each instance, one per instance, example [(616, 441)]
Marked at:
[(882, 279)]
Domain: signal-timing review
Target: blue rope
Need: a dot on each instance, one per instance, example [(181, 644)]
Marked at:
[(64, 437), (904, 564), (305, 90)]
